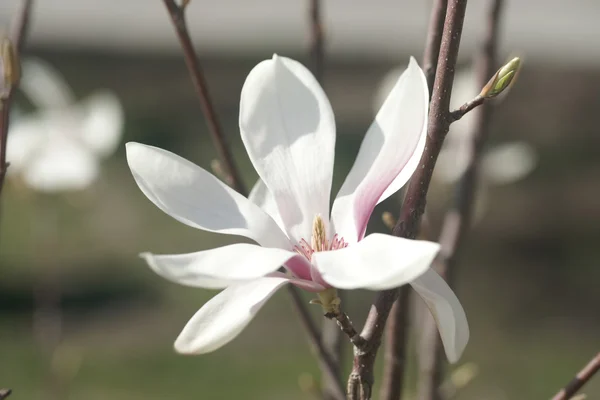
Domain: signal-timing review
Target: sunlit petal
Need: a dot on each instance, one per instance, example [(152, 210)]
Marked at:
[(218, 268), (288, 128), (224, 316), (195, 197), (388, 155), (377, 262), (446, 309)]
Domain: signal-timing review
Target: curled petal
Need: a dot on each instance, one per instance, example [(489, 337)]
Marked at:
[(388, 156), (196, 198), (447, 311), (377, 262), (224, 316), (288, 128), (218, 268)]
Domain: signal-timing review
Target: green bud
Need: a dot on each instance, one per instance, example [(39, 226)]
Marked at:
[(502, 79)]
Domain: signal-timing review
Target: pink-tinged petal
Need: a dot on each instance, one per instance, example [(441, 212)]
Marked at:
[(304, 284), (388, 156), (262, 197), (377, 262), (218, 268), (224, 316), (288, 128), (447, 311), (196, 198), (299, 267)]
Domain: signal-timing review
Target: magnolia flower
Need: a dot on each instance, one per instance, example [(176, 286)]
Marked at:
[(59, 146), (288, 129)]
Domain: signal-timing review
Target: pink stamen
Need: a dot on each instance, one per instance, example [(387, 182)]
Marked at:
[(305, 249)]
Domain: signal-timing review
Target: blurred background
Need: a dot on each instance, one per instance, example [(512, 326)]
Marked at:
[(82, 317)]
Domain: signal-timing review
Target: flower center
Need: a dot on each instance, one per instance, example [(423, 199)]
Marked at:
[(319, 241)]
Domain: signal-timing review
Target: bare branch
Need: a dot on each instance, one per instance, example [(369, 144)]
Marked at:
[(580, 379), (434, 40), (396, 333), (177, 14), (458, 218), (414, 204), (317, 39), (396, 336), (17, 40), (346, 327)]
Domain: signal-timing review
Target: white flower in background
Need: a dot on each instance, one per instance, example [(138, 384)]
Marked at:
[(503, 164), (58, 147), (288, 129)]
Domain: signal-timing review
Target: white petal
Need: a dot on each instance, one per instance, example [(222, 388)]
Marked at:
[(102, 124), (44, 85), (388, 155), (262, 197), (447, 311), (224, 316), (26, 134), (510, 162), (288, 129), (61, 165), (196, 198), (377, 262), (218, 268)]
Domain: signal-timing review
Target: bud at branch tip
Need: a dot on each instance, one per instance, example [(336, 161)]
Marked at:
[(502, 79)]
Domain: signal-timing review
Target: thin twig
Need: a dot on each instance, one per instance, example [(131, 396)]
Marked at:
[(396, 336), (346, 327), (17, 39), (317, 40), (465, 108), (414, 203), (313, 334), (458, 218), (177, 14), (579, 380), (396, 333), (434, 40)]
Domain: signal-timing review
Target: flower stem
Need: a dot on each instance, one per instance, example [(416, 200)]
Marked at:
[(579, 380)]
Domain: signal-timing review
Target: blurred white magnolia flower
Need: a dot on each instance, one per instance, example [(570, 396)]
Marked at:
[(288, 128), (58, 147), (503, 164)]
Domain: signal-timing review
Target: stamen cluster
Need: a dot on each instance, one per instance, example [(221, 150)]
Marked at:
[(319, 241)]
